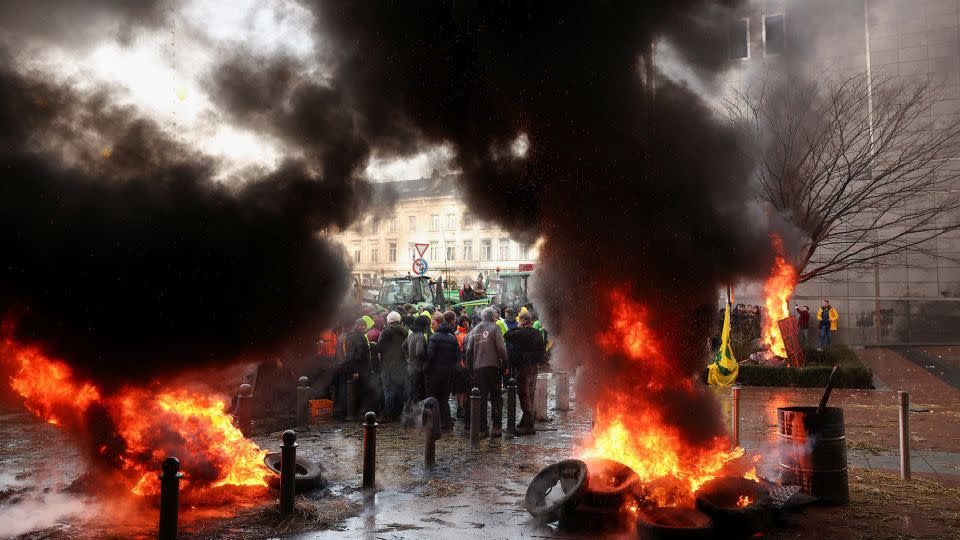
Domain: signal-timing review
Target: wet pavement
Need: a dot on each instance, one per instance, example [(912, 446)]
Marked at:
[(478, 493)]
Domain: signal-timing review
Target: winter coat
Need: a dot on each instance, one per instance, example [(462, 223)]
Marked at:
[(524, 347), (327, 347), (503, 326), (486, 347), (832, 316), (511, 323), (353, 354), (416, 351), (443, 350), (803, 318), (390, 346)]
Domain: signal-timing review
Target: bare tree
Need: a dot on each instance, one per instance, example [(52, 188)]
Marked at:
[(862, 167)]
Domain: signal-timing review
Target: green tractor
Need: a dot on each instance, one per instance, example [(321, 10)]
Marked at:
[(419, 291), (512, 290)]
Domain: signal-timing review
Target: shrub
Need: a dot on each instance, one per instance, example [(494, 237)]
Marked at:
[(816, 372)]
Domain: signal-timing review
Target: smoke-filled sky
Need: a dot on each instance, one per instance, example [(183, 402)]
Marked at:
[(166, 164)]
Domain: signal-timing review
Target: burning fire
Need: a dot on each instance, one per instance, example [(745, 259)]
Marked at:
[(628, 426), (743, 501), (777, 289), (145, 426)]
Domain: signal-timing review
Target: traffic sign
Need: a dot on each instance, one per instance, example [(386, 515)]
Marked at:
[(420, 266), (421, 249)]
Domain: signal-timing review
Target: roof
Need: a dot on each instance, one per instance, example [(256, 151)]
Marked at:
[(441, 186)]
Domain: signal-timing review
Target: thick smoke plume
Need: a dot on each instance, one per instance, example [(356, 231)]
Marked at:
[(629, 178), (122, 254)]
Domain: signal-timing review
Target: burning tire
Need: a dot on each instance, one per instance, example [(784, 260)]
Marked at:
[(309, 474), (610, 483), (738, 507), (569, 477), (673, 523)]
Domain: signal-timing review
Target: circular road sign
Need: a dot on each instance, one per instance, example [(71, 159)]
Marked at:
[(420, 266)]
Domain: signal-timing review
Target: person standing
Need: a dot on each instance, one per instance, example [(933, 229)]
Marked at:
[(486, 358), (525, 349), (393, 370), (510, 318), (353, 358), (443, 353), (803, 322), (415, 347), (827, 318)]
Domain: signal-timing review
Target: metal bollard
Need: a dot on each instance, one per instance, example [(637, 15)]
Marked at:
[(511, 407), (351, 402), (244, 413), (563, 391), (735, 410), (369, 450), (904, 400), (169, 498), (540, 400), (430, 425), (288, 471), (303, 407), (475, 418)]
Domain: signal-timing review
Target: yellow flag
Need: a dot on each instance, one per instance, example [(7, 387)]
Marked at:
[(724, 369)]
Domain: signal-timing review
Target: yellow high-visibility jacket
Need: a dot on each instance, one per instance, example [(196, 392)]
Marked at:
[(834, 317)]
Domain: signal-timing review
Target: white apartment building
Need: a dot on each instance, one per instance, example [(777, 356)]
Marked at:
[(430, 211)]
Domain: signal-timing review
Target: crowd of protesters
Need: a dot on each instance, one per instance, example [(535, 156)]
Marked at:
[(396, 359), (746, 323)]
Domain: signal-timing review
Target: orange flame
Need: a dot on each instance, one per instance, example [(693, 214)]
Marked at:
[(744, 501), (191, 426), (777, 289), (629, 428)]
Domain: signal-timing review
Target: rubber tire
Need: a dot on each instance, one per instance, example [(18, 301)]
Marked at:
[(572, 469), (714, 499), (311, 478), (599, 497), (674, 523)]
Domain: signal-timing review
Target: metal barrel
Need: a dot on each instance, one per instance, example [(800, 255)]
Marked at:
[(813, 452), (351, 401), (244, 412), (540, 400)]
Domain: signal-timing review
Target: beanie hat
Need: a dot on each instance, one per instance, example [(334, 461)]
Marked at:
[(393, 317)]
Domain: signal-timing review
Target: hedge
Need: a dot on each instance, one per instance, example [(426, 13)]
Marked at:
[(852, 374)]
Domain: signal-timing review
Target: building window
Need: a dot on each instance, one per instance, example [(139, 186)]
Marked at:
[(486, 249), (433, 251), (435, 222), (504, 250), (484, 225), (451, 222), (739, 39), (356, 254), (413, 223), (467, 221), (374, 254), (468, 250), (523, 250), (411, 251), (773, 34), (374, 225), (451, 251), (393, 223), (392, 251), (357, 227)]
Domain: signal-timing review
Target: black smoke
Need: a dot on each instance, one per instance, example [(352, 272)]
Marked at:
[(123, 253), (631, 179)]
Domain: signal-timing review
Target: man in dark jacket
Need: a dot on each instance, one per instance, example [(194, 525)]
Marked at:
[(443, 353), (525, 352), (353, 359), (393, 368)]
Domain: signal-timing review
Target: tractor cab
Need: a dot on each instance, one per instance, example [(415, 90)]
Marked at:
[(414, 290)]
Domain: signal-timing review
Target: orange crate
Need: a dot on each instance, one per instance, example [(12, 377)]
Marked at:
[(321, 408)]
